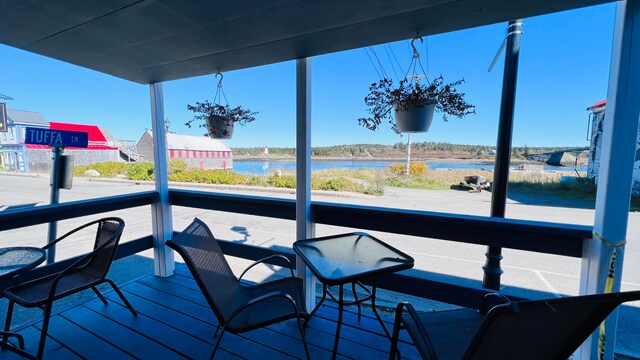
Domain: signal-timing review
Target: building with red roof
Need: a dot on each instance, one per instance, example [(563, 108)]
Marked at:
[(20, 157)]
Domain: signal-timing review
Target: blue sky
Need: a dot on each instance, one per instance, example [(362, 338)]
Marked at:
[(564, 67)]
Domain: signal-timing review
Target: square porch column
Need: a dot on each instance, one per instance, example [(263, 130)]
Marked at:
[(161, 218), (305, 224), (601, 272)]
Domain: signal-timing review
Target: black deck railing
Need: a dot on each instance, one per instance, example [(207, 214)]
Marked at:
[(532, 236)]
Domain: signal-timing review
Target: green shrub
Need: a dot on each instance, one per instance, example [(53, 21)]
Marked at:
[(377, 183), (106, 169), (339, 184), (140, 171), (282, 181), (417, 182), (177, 166), (200, 176)]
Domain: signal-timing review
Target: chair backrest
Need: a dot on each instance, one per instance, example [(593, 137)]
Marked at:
[(542, 329), (108, 235), (204, 258)]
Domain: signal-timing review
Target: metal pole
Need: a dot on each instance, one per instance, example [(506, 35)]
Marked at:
[(55, 197), (409, 155), (492, 270)]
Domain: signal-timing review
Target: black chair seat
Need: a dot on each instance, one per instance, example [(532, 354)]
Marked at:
[(36, 293), (270, 311)]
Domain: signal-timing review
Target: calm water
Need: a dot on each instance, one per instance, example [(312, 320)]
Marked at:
[(266, 167)]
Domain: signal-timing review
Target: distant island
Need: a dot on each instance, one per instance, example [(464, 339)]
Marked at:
[(419, 150)]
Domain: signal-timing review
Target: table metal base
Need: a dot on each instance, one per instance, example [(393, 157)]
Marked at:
[(370, 296)]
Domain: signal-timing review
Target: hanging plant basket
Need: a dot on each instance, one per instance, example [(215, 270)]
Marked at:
[(412, 102), (219, 127), (219, 119), (415, 120)]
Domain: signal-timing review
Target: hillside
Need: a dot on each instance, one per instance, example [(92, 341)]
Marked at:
[(419, 150)]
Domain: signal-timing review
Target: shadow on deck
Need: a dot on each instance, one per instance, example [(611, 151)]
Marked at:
[(175, 322)]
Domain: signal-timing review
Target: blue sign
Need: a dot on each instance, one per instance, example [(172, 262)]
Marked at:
[(50, 137)]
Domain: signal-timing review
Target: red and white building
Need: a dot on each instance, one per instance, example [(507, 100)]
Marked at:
[(39, 156), (196, 151)]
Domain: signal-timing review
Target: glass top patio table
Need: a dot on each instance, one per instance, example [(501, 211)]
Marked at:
[(345, 258), (15, 260), (350, 258)]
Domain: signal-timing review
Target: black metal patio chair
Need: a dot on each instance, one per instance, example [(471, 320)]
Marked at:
[(238, 307), (86, 273), (538, 329)]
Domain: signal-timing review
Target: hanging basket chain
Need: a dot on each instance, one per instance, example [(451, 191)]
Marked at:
[(415, 62)]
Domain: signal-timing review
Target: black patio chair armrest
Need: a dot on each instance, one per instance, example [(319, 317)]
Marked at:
[(70, 233), (83, 260), (262, 298), (276, 256), (490, 300), (17, 336)]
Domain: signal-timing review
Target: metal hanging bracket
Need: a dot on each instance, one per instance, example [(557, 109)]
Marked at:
[(510, 31), (221, 77), (416, 54)]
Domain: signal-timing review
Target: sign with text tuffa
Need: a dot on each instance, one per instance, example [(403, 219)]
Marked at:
[(3, 117), (50, 137)]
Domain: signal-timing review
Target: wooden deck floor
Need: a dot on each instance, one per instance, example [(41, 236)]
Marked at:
[(174, 322)]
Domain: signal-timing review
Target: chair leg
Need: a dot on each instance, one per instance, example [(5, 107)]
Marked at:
[(303, 335), (95, 290), (7, 326), (45, 328), (224, 328), (7, 322), (396, 333), (121, 295)]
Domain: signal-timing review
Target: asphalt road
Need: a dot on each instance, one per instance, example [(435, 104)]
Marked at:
[(526, 274)]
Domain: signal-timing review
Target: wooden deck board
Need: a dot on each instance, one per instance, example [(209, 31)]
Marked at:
[(175, 322)]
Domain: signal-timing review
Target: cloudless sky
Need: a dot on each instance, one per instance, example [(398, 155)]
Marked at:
[(563, 69)]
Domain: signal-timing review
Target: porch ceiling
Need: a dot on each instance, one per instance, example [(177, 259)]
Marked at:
[(149, 41)]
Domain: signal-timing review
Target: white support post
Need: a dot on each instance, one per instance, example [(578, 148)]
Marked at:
[(161, 210), (408, 172), (305, 225), (616, 169)]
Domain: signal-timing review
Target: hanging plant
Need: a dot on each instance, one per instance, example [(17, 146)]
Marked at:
[(413, 102), (219, 119)]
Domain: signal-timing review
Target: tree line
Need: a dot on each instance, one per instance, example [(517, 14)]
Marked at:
[(398, 150)]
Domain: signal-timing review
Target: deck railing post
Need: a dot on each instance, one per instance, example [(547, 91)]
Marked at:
[(601, 271), (305, 225), (161, 209)]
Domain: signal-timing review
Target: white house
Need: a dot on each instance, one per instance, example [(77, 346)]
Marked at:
[(596, 123)]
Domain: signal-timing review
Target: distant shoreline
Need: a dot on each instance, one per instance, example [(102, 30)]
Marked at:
[(436, 160)]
